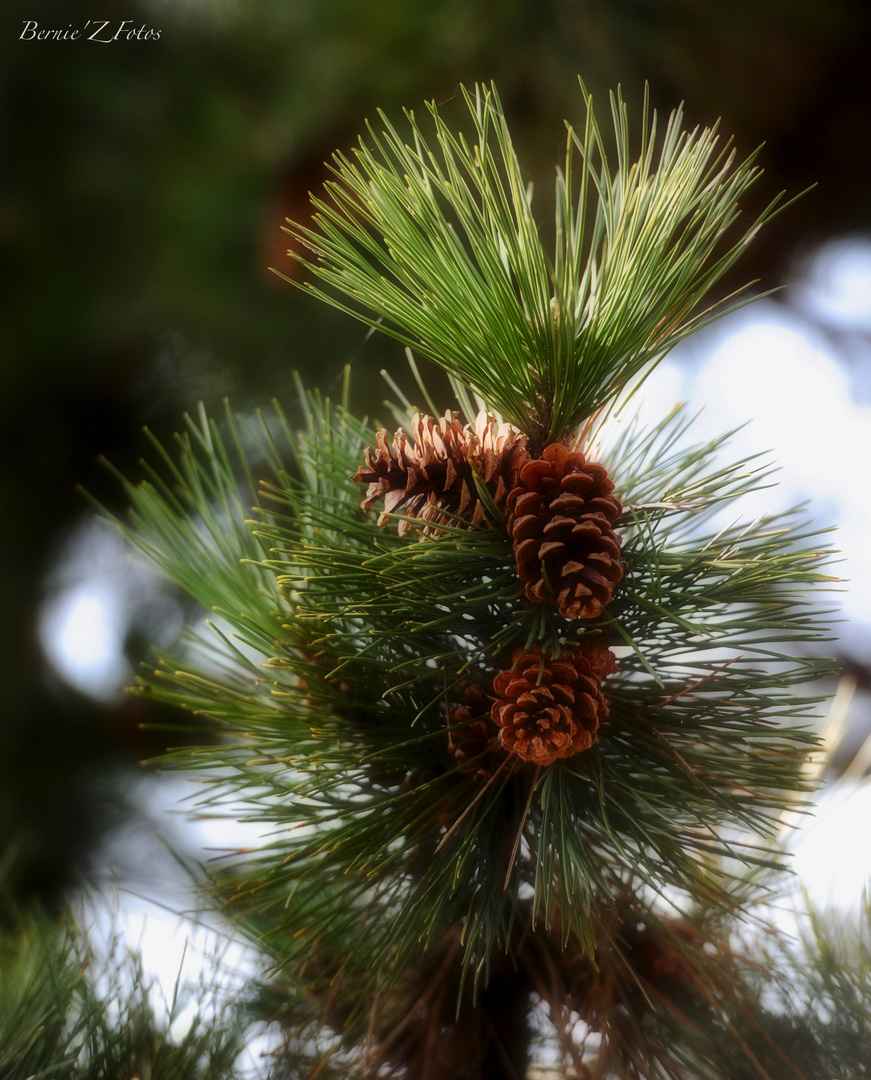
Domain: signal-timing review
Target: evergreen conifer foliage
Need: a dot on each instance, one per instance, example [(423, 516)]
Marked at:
[(412, 660)]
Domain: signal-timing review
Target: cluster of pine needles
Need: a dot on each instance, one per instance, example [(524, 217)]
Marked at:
[(416, 900)]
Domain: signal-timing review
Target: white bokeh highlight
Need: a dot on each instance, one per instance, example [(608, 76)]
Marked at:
[(81, 631)]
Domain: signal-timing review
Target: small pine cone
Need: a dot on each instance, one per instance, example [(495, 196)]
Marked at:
[(551, 708), (471, 736), (561, 517), (431, 477)]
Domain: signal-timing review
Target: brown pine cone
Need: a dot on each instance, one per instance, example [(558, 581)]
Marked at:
[(471, 736), (551, 708), (560, 518), (431, 477)]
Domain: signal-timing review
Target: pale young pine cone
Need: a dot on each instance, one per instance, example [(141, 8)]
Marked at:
[(430, 475)]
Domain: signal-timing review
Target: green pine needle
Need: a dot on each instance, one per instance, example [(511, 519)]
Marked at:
[(434, 241), (337, 653), (339, 646)]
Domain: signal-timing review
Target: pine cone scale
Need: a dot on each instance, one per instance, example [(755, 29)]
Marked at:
[(551, 547), (528, 503), (559, 526), (587, 530), (527, 527), (577, 483), (526, 553), (539, 591), (570, 503)]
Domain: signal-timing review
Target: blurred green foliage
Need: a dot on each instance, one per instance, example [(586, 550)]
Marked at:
[(68, 1012)]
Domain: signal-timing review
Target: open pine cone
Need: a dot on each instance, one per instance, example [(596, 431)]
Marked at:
[(547, 708), (431, 477), (561, 515)]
